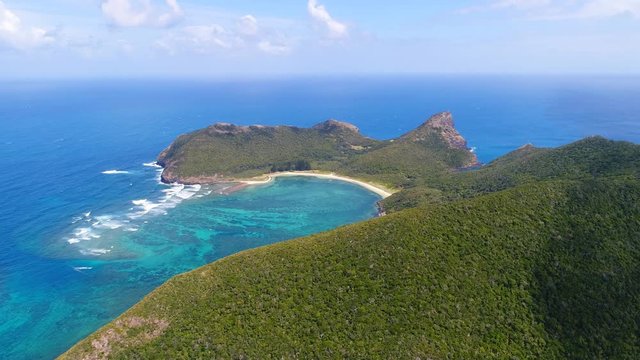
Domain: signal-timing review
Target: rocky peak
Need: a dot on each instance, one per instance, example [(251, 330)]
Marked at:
[(442, 124), (331, 126), (526, 147), (441, 120), (226, 129)]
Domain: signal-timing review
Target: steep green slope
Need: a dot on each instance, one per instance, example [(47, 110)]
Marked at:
[(226, 152), (547, 270), (426, 154), (585, 159)]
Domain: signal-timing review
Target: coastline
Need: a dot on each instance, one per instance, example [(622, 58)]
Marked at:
[(240, 184), (381, 191)]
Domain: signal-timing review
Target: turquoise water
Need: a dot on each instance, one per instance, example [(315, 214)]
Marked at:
[(80, 243), (67, 295)]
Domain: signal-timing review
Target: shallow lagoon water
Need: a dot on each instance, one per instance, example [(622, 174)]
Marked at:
[(64, 295)]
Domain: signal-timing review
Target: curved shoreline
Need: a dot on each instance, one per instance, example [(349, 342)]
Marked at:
[(383, 192)]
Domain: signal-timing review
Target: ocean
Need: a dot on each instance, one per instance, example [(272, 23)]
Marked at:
[(87, 230)]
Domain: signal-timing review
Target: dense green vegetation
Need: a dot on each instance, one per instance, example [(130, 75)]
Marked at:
[(582, 160), (224, 151), (300, 165), (536, 255), (524, 273)]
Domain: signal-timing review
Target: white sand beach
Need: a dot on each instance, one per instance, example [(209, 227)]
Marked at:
[(378, 189)]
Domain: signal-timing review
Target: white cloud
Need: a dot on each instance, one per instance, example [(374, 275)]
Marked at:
[(16, 36), (565, 9), (336, 29), (608, 8), (9, 22), (274, 48), (248, 25), (246, 35), (521, 4), (208, 36), (201, 39), (134, 13)]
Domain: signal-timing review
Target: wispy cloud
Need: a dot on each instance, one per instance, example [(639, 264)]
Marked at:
[(563, 9), (247, 34), (608, 8), (15, 35), (274, 48), (521, 4), (135, 13), (334, 28), (248, 25)]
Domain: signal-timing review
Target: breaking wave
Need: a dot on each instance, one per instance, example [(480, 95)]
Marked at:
[(115, 172), (153, 165), (89, 228)]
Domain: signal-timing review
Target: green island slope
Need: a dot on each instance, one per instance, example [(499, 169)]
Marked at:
[(225, 152), (536, 255)]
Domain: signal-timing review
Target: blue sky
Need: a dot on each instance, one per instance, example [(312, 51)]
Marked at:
[(174, 38)]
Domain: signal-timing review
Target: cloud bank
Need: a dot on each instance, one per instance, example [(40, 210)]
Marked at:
[(136, 13), (14, 35), (246, 35), (565, 9), (335, 29)]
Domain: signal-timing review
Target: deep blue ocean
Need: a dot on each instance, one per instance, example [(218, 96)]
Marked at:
[(86, 230)]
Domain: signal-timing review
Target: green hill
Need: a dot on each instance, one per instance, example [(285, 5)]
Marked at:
[(536, 255), (542, 271), (585, 159), (224, 152)]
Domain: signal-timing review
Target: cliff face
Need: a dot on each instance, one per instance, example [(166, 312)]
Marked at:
[(334, 126), (224, 152), (443, 127)]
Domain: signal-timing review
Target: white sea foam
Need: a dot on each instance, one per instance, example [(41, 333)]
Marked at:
[(86, 216), (94, 227), (94, 252), (115, 172), (188, 192), (146, 207), (108, 222), (152, 164), (83, 234), (82, 268), (174, 195)]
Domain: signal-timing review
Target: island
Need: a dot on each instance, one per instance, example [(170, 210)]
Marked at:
[(535, 255)]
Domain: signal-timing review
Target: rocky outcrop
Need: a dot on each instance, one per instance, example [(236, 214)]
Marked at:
[(231, 129), (168, 177), (124, 333), (442, 124), (227, 129), (335, 126)]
